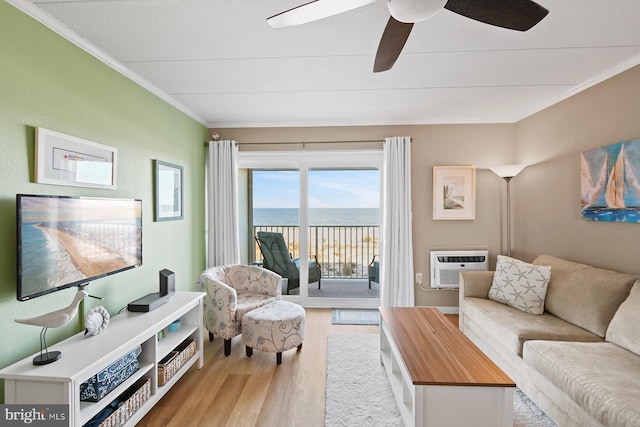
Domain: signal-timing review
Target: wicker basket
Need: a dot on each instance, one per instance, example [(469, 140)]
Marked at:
[(120, 416), (175, 360), (167, 367)]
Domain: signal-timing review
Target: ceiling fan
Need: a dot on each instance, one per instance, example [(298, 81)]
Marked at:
[(518, 15)]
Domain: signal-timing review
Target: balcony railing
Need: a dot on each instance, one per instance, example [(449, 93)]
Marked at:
[(342, 251)]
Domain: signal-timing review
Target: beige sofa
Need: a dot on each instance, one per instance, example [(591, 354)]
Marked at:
[(580, 360)]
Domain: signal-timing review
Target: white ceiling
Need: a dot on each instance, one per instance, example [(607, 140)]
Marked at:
[(220, 62)]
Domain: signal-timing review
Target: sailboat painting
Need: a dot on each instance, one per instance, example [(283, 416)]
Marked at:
[(609, 183)]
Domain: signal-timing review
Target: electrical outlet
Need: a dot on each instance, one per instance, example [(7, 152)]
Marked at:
[(419, 278)]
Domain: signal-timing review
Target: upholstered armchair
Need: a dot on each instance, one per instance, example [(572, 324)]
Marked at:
[(231, 292)]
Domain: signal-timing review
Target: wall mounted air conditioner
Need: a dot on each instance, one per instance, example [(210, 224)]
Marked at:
[(446, 266)]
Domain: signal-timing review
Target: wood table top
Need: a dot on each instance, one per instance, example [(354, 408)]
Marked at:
[(436, 352)]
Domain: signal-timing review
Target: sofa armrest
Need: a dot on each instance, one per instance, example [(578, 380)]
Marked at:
[(475, 284), (472, 284)]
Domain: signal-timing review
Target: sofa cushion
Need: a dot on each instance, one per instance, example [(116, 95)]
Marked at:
[(623, 329), (583, 295), (512, 327), (602, 378), (520, 284)]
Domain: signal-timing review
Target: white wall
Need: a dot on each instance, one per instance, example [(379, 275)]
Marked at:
[(548, 192)]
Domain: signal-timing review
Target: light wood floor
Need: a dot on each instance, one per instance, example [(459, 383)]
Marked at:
[(242, 391)]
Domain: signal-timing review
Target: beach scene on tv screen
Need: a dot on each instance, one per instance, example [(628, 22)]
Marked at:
[(66, 240)]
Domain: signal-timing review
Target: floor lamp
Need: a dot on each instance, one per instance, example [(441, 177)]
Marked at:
[(507, 172)]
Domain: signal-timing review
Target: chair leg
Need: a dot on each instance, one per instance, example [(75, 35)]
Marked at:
[(279, 358), (249, 351), (227, 347), (210, 336)]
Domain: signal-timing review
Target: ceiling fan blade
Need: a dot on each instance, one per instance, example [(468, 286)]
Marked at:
[(394, 37), (518, 15), (313, 11)]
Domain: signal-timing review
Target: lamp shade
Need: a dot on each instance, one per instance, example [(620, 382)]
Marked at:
[(507, 171)]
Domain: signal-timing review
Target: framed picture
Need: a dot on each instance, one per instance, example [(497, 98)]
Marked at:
[(169, 195), (609, 183), (67, 160), (454, 192)]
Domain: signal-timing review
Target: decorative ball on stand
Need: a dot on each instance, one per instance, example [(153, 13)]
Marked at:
[(96, 321)]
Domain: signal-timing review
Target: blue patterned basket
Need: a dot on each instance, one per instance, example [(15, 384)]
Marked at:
[(99, 385)]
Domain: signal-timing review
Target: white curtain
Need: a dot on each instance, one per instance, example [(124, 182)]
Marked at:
[(396, 267), (223, 244)]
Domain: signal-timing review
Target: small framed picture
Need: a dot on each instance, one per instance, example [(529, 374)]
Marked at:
[(454, 192), (68, 160), (169, 195)]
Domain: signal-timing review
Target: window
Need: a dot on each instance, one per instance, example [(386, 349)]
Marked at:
[(335, 201)]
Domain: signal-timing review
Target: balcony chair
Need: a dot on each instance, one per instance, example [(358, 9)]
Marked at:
[(231, 292), (374, 271), (276, 257)]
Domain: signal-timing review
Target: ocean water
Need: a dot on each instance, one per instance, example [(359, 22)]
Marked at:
[(317, 216), (45, 263), (612, 215)]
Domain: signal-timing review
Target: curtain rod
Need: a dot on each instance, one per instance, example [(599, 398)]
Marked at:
[(353, 141)]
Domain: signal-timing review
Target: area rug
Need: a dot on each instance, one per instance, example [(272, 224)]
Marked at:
[(358, 392), (342, 316)]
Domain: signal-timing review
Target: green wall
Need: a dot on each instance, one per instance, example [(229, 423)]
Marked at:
[(45, 81)]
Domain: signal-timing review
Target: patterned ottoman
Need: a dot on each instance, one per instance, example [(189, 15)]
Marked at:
[(274, 327)]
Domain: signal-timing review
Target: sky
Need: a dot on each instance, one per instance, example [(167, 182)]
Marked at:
[(327, 189)]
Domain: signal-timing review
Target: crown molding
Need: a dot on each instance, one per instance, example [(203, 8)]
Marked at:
[(597, 79), (62, 30)]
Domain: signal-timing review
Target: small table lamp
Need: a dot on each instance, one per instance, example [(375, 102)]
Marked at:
[(507, 172)]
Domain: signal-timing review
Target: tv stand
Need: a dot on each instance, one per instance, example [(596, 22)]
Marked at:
[(84, 356)]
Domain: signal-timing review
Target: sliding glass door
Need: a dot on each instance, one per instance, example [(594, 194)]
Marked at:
[(344, 226), (275, 223), (314, 218)]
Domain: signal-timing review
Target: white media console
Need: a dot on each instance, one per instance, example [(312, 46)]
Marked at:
[(84, 356)]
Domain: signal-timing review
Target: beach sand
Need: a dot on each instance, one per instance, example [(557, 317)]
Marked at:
[(98, 262)]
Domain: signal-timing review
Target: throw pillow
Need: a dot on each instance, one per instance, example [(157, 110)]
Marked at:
[(623, 329), (520, 285)]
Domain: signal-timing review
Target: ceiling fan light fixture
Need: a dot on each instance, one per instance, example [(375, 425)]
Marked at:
[(314, 11), (414, 10)]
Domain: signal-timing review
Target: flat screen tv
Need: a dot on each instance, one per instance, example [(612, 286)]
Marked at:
[(70, 241)]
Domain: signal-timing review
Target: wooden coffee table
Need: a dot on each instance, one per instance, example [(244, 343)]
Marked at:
[(438, 376)]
